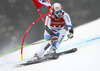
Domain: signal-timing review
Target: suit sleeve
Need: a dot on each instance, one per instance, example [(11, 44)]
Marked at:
[(68, 21), (47, 26), (48, 21)]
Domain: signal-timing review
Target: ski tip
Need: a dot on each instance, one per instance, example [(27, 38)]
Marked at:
[(56, 56), (75, 49)]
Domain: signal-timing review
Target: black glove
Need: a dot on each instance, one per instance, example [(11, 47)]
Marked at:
[(70, 34)]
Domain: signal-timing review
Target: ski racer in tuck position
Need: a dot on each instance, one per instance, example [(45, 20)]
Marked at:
[(54, 30)]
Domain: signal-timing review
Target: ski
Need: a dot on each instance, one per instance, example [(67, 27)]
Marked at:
[(48, 57)]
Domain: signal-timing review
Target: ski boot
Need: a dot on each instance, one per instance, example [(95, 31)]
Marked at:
[(52, 51), (34, 58)]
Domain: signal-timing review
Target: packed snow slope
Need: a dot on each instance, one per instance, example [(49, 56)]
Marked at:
[(87, 58)]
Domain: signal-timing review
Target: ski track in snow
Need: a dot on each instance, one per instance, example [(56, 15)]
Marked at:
[(88, 44), (84, 42)]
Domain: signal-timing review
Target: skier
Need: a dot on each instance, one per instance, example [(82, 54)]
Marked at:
[(54, 30)]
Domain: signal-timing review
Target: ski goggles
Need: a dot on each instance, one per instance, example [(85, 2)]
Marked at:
[(57, 12)]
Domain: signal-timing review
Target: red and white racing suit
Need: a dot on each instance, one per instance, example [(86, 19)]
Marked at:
[(57, 26)]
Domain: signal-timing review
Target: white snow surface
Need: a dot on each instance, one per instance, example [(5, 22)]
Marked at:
[(87, 58)]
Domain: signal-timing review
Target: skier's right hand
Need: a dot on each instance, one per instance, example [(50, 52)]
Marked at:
[(55, 38)]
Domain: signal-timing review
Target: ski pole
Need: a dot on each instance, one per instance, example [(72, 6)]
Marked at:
[(46, 41), (28, 45)]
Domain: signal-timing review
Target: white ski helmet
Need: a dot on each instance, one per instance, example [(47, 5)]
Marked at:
[(57, 8)]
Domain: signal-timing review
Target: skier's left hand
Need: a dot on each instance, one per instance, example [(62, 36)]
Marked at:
[(55, 38), (70, 34)]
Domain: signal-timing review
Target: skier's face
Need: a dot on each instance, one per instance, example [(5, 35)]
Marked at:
[(58, 13)]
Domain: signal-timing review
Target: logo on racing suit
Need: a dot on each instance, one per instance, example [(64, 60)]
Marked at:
[(57, 23)]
